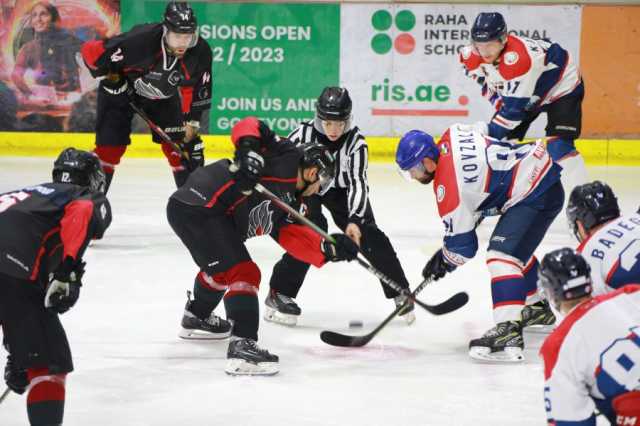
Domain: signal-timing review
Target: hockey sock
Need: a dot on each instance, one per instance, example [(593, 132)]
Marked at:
[(45, 400), (243, 310), (560, 147), (507, 286), (180, 176), (207, 295), (530, 273)]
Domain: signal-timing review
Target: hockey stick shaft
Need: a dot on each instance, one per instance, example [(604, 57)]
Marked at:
[(4, 394), (300, 218), (158, 130)]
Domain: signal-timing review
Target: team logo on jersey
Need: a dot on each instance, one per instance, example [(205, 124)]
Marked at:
[(440, 193), (260, 220), (511, 58), (103, 211), (174, 78), (206, 77), (117, 56)]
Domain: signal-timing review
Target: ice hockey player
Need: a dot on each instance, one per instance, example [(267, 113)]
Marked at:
[(524, 78), (346, 199), (474, 176), (591, 360), (608, 241), (45, 231), (216, 210), (164, 69)]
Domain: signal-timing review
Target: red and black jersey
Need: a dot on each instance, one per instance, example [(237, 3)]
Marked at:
[(44, 224), (140, 55), (213, 189)]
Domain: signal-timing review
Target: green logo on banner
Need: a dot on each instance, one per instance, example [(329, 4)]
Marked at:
[(269, 60), (382, 43)]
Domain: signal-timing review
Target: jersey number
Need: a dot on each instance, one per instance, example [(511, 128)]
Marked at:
[(630, 255), (8, 200), (620, 365)]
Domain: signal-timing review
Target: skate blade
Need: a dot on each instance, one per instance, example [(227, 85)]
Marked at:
[(190, 334), (539, 329), (274, 316), (240, 367), (409, 318), (509, 355)]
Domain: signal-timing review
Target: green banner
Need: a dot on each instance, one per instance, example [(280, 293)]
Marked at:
[(269, 60)]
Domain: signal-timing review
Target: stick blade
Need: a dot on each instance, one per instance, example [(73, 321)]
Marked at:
[(453, 303), (342, 340)]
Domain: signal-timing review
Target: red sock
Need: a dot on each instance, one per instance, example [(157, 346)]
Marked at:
[(45, 400)]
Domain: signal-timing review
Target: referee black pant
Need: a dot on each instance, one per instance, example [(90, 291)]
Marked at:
[(289, 273)]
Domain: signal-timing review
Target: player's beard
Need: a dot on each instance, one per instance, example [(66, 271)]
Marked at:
[(427, 178)]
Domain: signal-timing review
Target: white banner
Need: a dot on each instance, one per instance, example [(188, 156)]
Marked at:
[(400, 62)]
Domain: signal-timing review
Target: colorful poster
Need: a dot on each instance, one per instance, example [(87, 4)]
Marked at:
[(44, 85), (400, 61), (269, 60)]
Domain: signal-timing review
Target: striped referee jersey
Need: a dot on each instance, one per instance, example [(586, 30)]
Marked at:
[(351, 154)]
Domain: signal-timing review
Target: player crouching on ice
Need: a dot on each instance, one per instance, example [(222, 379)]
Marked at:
[(474, 176), (45, 231), (592, 359), (217, 210)]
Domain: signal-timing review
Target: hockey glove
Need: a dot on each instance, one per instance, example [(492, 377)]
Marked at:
[(63, 291), (247, 171), (15, 377), (195, 150), (437, 267), (115, 84), (343, 249)]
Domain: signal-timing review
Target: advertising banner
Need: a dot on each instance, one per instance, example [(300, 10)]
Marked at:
[(44, 86), (269, 60), (400, 61)]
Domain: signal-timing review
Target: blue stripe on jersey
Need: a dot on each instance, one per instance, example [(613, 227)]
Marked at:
[(465, 244), (555, 55), (499, 183), (591, 421), (552, 176)]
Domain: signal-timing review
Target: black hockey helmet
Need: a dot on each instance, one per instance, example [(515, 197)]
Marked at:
[(179, 18), (565, 275), (317, 155), (489, 26), (592, 204), (80, 168), (334, 103)]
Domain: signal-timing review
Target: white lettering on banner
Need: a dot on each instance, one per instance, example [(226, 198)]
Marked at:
[(286, 33), (412, 75)]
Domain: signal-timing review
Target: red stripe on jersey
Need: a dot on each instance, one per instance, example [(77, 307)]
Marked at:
[(187, 97), (612, 271), (74, 226), (514, 59), (235, 204), (91, 52), (470, 59), (41, 251), (277, 179), (303, 243), (445, 183), (513, 180), (219, 192), (551, 346), (529, 265)]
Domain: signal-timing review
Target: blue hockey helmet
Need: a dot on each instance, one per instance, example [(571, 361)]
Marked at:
[(565, 275), (413, 147), (489, 26)]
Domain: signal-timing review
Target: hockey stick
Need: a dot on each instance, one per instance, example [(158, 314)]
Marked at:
[(386, 280), (158, 130), (5, 394), (453, 303)]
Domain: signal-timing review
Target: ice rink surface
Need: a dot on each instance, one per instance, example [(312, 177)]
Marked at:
[(133, 370)]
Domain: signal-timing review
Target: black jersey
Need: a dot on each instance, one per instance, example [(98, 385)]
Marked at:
[(41, 225), (140, 55), (213, 188)]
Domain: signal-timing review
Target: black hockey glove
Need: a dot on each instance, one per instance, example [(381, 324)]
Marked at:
[(437, 267), (247, 170), (343, 249), (116, 84), (195, 150), (63, 291), (15, 377)]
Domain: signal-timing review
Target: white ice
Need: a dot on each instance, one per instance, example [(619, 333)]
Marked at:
[(131, 368)]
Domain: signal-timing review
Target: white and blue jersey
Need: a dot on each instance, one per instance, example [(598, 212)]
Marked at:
[(592, 357), (478, 175), (613, 253), (528, 75)]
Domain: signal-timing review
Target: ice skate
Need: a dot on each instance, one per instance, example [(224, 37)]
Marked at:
[(281, 309), (502, 343), (246, 358), (407, 314), (538, 318), (211, 328)]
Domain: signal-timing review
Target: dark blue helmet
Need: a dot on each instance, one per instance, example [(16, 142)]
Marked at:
[(592, 204), (565, 275), (413, 147), (489, 26)]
